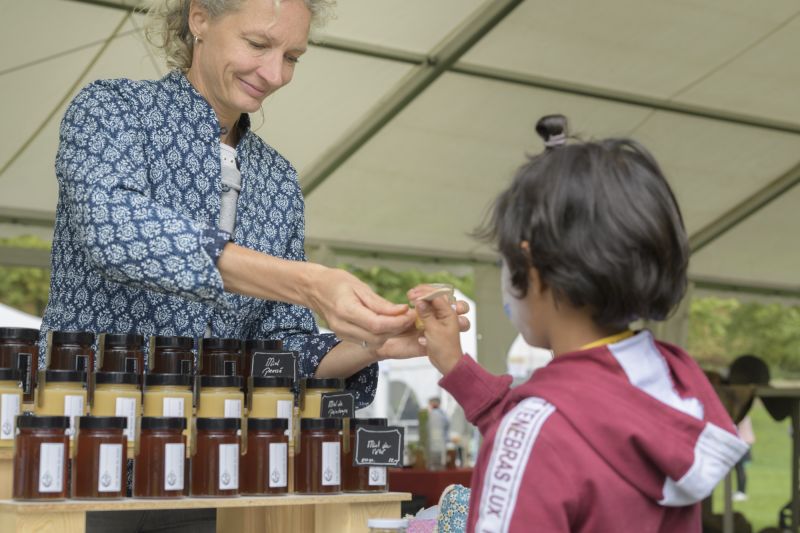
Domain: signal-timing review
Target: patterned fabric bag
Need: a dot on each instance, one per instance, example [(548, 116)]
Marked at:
[(453, 509)]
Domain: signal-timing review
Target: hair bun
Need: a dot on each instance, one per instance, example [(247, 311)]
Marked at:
[(553, 130)]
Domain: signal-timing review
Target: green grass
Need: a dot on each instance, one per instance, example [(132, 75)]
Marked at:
[(768, 475)]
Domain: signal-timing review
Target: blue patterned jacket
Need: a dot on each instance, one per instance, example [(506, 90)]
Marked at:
[(138, 169)]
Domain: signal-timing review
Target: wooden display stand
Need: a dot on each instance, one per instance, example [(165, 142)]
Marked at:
[(340, 513)]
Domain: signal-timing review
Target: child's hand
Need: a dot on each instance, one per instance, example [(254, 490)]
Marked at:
[(441, 333)]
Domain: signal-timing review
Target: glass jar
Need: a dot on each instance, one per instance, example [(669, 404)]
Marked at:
[(10, 404), (18, 350), (387, 525), (272, 398), (99, 470), (71, 350), (264, 465), (118, 394), (41, 453), (253, 346), (172, 355), (160, 465), (361, 478), (123, 352), (215, 463), (169, 395), (317, 461), (62, 393), (220, 396), (221, 357), (311, 394)]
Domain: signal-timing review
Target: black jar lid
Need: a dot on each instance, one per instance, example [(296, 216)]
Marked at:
[(356, 422), (73, 337), (42, 422), (268, 382), (177, 380), (124, 340), (64, 376), (219, 424), (10, 374), (163, 422), (320, 423), (19, 334), (116, 378), (324, 383), (102, 422), (221, 381), (267, 424), (213, 343), (275, 345), (162, 341)]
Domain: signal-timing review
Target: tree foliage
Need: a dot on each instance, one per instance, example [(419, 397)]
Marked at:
[(25, 288)]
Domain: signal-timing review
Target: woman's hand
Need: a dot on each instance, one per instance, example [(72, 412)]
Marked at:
[(441, 334), (407, 345)]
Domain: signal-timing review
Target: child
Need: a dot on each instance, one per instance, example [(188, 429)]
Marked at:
[(619, 432)]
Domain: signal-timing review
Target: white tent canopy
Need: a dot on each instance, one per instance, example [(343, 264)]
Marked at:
[(417, 113)]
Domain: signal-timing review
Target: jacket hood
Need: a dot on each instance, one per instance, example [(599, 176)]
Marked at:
[(649, 412)]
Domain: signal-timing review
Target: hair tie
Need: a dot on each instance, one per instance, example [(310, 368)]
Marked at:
[(556, 140)]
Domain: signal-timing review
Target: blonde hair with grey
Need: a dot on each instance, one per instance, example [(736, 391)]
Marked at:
[(167, 27)]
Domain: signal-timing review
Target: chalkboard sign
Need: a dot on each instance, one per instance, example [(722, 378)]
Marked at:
[(378, 446), (337, 405), (275, 365)]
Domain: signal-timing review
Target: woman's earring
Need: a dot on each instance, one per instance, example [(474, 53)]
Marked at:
[(196, 39)]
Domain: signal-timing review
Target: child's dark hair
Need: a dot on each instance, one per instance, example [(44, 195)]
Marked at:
[(604, 228)]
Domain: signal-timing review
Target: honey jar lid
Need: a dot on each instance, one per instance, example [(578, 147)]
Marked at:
[(219, 424), (124, 340), (274, 345), (273, 381), (174, 342), (42, 422), (267, 424), (64, 376), (116, 378), (179, 380), (73, 337), (163, 422), (221, 381), (102, 422), (324, 383), (10, 374), (213, 343), (21, 334), (320, 423)]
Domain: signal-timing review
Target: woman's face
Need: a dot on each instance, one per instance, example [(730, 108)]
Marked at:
[(245, 55)]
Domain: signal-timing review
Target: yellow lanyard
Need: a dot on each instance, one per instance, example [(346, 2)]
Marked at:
[(608, 340)]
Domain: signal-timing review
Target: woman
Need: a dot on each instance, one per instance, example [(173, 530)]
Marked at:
[(174, 218)]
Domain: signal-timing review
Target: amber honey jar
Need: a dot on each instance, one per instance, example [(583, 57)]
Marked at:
[(160, 465), (10, 404), (220, 396), (312, 390), (215, 462), (41, 455), (71, 350), (63, 393), (18, 350), (99, 468), (172, 355), (123, 352), (361, 478), (317, 460), (264, 464), (221, 357)]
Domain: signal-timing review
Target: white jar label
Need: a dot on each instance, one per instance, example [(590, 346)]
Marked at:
[(377, 476), (277, 464), (51, 467), (228, 466), (330, 463), (233, 409), (172, 407), (9, 409), (109, 474), (127, 407), (285, 408), (73, 407), (173, 466)]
